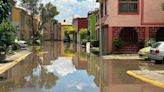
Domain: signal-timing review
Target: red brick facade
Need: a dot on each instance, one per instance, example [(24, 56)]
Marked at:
[(129, 48)]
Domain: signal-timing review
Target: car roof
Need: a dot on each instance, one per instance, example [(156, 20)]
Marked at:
[(160, 42)]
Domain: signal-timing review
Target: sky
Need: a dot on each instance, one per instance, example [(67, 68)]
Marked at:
[(72, 8)]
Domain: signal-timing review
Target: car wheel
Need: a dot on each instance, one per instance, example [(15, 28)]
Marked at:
[(158, 61)]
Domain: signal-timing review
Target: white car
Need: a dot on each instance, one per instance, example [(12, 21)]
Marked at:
[(22, 43), (157, 52)]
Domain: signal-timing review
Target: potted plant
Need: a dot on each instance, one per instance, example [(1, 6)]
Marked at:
[(118, 44), (7, 38)]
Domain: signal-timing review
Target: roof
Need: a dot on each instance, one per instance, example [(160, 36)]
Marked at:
[(66, 23)]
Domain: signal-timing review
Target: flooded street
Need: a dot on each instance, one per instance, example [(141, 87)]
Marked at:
[(59, 67)]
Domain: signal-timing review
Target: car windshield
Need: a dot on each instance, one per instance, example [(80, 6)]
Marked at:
[(156, 45)]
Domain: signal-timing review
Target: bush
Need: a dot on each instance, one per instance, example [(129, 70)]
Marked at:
[(150, 42), (95, 43), (118, 44), (7, 34), (15, 46)]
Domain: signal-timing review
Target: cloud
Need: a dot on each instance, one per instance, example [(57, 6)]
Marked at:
[(73, 8)]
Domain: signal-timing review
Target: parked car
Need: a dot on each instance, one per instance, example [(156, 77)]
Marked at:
[(144, 53), (157, 52), (22, 43)]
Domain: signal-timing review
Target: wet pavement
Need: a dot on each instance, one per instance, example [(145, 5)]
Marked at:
[(59, 67)]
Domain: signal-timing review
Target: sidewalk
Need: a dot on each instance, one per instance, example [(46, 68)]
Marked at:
[(155, 78), (13, 60), (121, 56)]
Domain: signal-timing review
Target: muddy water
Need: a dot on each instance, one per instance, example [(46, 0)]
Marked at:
[(59, 67)]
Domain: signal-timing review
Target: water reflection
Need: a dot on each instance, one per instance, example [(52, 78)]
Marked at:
[(50, 69)]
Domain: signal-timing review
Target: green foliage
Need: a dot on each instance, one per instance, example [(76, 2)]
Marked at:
[(150, 42), (118, 44), (5, 9), (95, 43), (70, 30), (15, 46), (92, 26), (7, 34), (47, 12), (83, 34), (163, 6)]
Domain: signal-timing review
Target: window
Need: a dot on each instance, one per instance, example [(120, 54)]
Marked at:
[(128, 6), (129, 35)]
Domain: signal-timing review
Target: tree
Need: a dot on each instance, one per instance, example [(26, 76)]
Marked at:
[(7, 34), (5, 9), (83, 34), (32, 6), (69, 30), (47, 12)]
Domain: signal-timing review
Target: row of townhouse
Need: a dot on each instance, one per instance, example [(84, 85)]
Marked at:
[(19, 18), (133, 21)]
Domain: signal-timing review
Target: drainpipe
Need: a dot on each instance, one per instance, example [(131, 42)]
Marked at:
[(100, 29)]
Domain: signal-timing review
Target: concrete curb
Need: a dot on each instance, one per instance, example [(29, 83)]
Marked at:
[(13, 63), (153, 82)]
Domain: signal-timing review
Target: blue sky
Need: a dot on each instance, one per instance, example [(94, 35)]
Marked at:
[(73, 8)]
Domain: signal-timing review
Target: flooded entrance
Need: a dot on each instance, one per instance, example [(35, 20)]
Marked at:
[(59, 67)]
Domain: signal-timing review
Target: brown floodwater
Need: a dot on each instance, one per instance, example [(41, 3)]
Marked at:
[(65, 67)]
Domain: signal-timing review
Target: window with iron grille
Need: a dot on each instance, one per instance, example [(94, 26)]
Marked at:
[(129, 35), (128, 6)]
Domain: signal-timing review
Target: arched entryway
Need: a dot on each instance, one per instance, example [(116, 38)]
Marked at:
[(160, 34), (129, 35)]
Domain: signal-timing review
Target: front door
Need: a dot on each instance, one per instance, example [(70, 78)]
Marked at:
[(105, 40)]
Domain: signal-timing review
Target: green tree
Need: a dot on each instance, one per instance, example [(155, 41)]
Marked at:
[(69, 31), (7, 34), (47, 12), (83, 34), (32, 6), (5, 9)]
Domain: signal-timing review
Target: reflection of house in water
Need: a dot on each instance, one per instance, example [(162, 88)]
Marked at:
[(111, 77), (53, 49), (81, 61)]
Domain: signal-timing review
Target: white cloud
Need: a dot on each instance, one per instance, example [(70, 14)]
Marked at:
[(61, 67), (73, 8)]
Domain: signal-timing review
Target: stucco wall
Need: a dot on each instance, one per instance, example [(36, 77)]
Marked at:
[(150, 13), (115, 19)]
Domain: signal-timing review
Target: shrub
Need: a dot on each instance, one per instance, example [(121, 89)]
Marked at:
[(118, 44), (83, 34), (7, 34), (150, 42), (95, 43), (15, 46)]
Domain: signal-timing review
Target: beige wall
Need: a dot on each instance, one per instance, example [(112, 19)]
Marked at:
[(152, 13)]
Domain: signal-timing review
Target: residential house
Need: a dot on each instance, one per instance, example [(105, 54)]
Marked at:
[(79, 23), (48, 31), (133, 21), (19, 19), (64, 26), (92, 24)]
